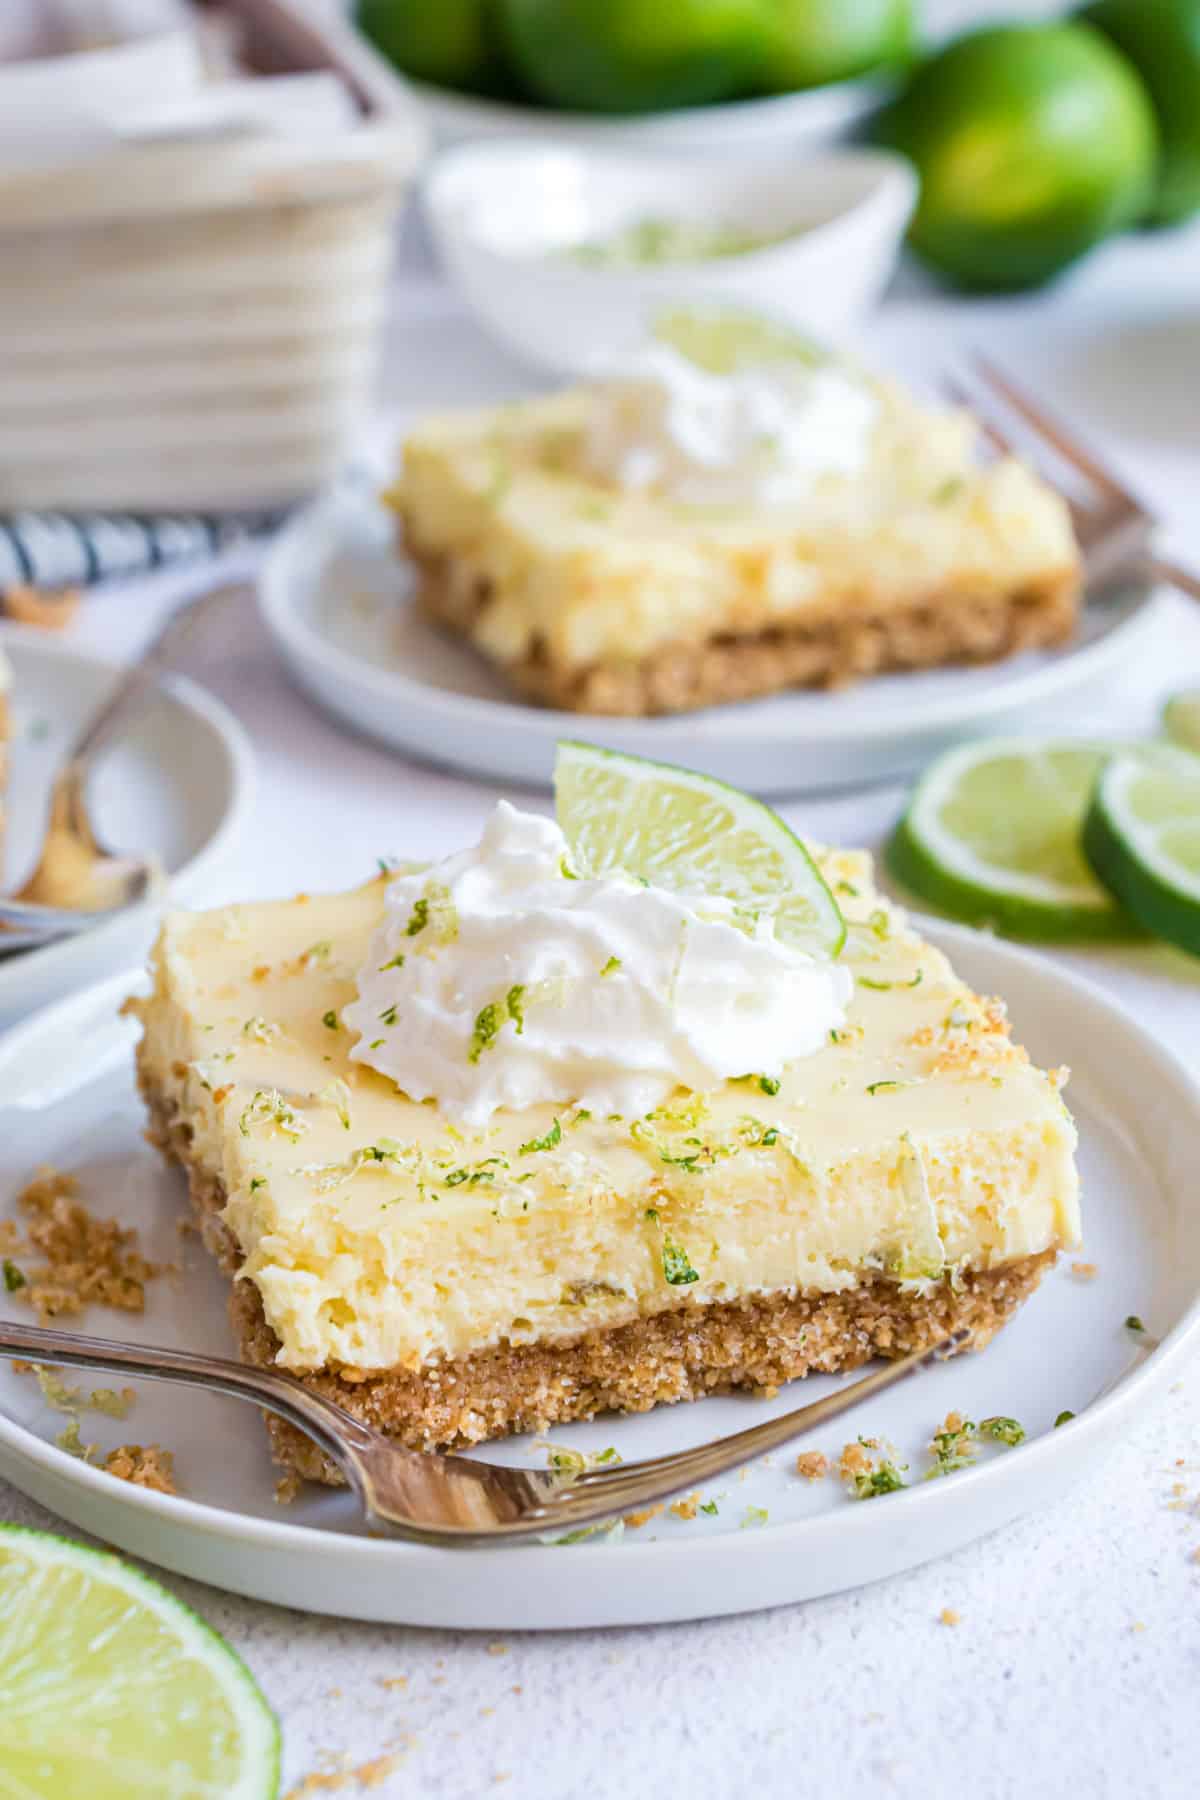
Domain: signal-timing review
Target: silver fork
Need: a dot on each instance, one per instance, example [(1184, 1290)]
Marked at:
[(1114, 529), (454, 1500)]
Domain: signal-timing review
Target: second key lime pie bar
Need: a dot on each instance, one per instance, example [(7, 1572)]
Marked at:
[(669, 537), (524, 1137)]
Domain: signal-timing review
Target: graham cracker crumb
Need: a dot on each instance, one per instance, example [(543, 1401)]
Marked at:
[(287, 1488), (948, 1616), (86, 1261), (367, 1775), (497, 1649), (147, 1466), (50, 609), (391, 1682), (1084, 1271), (687, 1507), (812, 1465), (854, 1460)]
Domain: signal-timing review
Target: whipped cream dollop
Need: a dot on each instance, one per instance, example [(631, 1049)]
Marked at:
[(496, 979), (760, 436)]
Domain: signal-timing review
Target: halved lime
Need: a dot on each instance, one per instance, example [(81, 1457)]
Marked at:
[(1181, 718), (1142, 837), (723, 338), (992, 836), (111, 1689), (694, 835)]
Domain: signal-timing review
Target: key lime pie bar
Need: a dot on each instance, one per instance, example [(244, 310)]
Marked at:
[(597, 1119), (670, 537)]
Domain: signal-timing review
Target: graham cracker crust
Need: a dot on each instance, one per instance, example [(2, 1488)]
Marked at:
[(854, 638), (683, 1353)]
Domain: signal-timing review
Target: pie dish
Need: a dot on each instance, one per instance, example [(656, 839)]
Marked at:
[(592, 597), (914, 1176)]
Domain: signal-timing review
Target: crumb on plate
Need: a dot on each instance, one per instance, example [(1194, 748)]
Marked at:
[(85, 1260), (50, 609), (812, 1465), (687, 1506)]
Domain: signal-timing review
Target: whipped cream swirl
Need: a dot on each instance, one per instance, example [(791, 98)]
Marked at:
[(760, 436), (496, 979)]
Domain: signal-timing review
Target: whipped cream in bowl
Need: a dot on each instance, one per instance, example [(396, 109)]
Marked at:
[(498, 979)]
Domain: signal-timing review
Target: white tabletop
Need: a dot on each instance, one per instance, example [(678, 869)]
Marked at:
[(1076, 1657)]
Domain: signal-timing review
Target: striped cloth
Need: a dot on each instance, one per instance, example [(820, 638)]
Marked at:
[(57, 550)]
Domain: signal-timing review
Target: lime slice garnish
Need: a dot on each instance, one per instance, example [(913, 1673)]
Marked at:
[(724, 338), (1142, 836), (1181, 719), (111, 1689), (694, 835), (992, 836)]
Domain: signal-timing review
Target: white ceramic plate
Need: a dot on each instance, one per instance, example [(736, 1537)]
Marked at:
[(180, 783), (337, 601), (1139, 1113), (778, 121)]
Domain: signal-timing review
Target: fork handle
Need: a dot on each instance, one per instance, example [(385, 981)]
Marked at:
[(320, 1419), (1175, 575), (139, 676)]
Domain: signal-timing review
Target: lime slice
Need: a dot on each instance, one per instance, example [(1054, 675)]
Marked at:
[(1181, 719), (694, 835), (1142, 837), (111, 1689), (992, 836), (723, 338)]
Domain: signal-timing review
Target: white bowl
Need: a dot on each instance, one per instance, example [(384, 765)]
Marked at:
[(504, 215), (776, 121)]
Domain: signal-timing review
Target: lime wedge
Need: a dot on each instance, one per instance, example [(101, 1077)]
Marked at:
[(723, 338), (1142, 837), (694, 835), (992, 836), (111, 1689), (1181, 719)]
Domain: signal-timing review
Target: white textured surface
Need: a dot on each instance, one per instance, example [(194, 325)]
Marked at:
[(1076, 1662)]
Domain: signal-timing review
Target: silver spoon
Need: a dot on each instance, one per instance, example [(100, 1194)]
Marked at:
[(454, 1500), (77, 882)]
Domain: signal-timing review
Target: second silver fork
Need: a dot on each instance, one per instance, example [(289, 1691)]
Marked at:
[(1114, 529)]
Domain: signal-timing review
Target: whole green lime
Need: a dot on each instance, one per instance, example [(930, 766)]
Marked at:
[(634, 55), (450, 42), (809, 42), (1033, 142), (1161, 38)]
